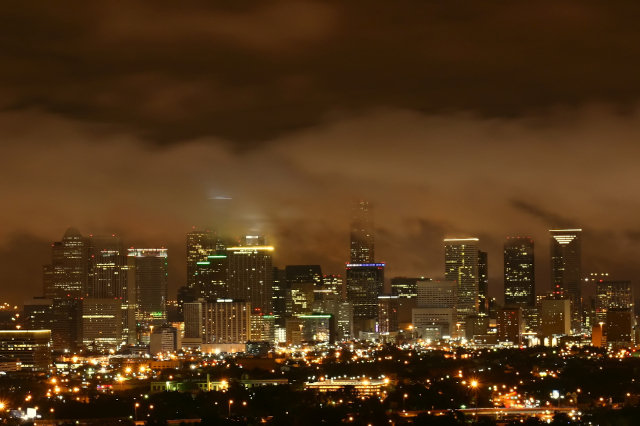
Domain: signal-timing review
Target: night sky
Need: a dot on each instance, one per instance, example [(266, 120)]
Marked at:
[(454, 118)]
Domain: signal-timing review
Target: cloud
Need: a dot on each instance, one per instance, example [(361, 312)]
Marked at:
[(428, 176)]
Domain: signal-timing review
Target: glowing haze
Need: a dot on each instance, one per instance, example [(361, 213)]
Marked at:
[(273, 118)]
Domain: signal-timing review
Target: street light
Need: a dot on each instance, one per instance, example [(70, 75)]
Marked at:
[(474, 386), (230, 403), (135, 411)]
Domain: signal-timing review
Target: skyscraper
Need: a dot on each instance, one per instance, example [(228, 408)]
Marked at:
[(365, 282), (251, 273), (483, 282), (210, 277), (365, 278), (362, 237), (519, 274), (200, 244), (566, 270), (148, 270), (461, 266), (66, 276), (612, 295)]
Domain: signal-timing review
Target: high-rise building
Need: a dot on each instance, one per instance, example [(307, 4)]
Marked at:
[(101, 322), (555, 317), (510, 325), (483, 282), (251, 273), (279, 292), (362, 235), (38, 314), (435, 315), (566, 270), (519, 273), (405, 287), (163, 339), (303, 281), (148, 271), (210, 277), (365, 282), (387, 314), (226, 321), (461, 266), (612, 295), (66, 275), (107, 267), (200, 244), (193, 322), (32, 348), (437, 294), (618, 329)]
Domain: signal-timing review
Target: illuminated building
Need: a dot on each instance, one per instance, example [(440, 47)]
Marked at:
[(437, 294), (163, 339), (303, 281), (226, 321), (65, 328), (66, 275), (519, 274), (555, 317), (107, 268), (510, 325), (483, 282), (210, 277), (566, 270), (405, 287), (101, 323), (387, 314), (461, 266), (32, 348), (279, 294), (148, 271), (333, 284), (263, 327), (365, 282), (362, 237), (365, 387), (612, 295), (38, 314), (316, 328), (476, 325), (200, 244), (251, 273), (435, 315)]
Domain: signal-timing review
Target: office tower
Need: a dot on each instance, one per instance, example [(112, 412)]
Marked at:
[(107, 267), (185, 295), (211, 277), (555, 317), (435, 315), (365, 282), (263, 327), (566, 270), (332, 287), (618, 328), (519, 274), (362, 236), (436, 294), (32, 348), (510, 325), (483, 282), (461, 266), (65, 328), (612, 295), (101, 323), (66, 275), (226, 321), (251, 273), (476, 325), (303, 281), (317, 328), (200, 244), (405, 287), (193, 322), (387, 314), (148, 271), (38, 314), (279, 293), (163, 339)]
